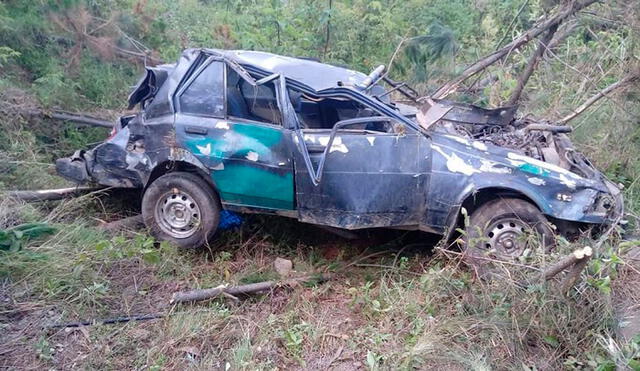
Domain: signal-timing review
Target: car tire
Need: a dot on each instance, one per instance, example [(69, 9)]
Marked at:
[(181, 208), (498, 230)]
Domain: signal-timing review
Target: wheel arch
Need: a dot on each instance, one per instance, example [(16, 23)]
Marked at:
[(472, 200), (170, 166)]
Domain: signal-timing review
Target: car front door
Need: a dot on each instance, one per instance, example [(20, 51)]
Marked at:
[(236, 137), (359, 178)]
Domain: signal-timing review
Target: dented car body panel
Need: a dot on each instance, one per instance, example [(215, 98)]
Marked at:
[(326, 145)]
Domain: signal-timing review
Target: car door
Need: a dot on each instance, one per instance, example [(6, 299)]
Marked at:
[(361, 178), (248, 158)]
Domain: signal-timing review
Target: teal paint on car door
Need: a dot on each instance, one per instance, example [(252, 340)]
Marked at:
[(250, 163)]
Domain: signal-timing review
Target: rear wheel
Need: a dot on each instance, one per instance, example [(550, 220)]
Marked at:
[(181, 208), (503, 229)]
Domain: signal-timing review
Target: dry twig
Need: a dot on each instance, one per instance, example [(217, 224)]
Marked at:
[(252, 288)]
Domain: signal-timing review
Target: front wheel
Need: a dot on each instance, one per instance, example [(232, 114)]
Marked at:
[(181, 208), (504, 229)]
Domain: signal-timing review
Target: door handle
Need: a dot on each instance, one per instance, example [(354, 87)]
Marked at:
[(196, 130)]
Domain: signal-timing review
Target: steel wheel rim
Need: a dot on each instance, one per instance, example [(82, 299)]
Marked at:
[(507, 236), (177, 214)]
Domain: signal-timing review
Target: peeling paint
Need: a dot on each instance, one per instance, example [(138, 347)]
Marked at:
[(568, 182), (455, 164), (371, 140), (337, 145), (541, 165), (493, 167), (536, 181), (252, 156), (219, 166), (325, 140), (222, 125), (459, 139), (479, 146), (205, 150)]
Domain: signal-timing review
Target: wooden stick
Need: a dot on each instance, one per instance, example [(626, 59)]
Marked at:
[(50, 194), (521, 40), (252, 288), (596, 97), (569, 260), (573, 275), (108, 321)]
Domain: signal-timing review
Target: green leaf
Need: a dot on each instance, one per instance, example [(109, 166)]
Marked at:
[(634, 364), (551, 340), (151, 256)]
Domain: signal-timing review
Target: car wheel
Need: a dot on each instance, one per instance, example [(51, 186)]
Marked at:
[(181, 208), (503, 229)]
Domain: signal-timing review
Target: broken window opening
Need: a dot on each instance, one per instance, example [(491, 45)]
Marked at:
[(249, 102), (324, 113), (205, 94)]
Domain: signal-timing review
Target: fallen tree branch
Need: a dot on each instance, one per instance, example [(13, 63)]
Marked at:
[(252, 288), (50, 194), (577, 256), (562, 33), (107, 321), (574, 274), (531, 65), (77, 117), (80, 118), (596, 97), (521, 40)]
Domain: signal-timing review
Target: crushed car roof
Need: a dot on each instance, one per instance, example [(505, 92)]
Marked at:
[(316, 75)]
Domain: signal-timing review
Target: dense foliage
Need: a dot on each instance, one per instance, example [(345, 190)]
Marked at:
[(80, 54)]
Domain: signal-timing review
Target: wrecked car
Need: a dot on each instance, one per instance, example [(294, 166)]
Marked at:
[(250, 131)]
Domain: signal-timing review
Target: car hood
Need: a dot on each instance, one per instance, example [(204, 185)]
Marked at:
[(469, 156)]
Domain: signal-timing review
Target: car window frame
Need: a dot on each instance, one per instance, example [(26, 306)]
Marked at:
[(268, 79), (190, 80)]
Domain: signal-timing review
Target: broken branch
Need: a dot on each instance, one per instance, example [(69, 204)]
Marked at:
[(531, 65), (574, 274), (252, 288), (521, 40), (78, 117), (596, 97), (577, 256), (50, 194)]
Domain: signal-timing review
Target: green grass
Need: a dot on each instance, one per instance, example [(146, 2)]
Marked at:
[(421, 309)]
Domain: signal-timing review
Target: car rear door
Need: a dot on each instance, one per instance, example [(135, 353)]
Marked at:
[(249, 160)]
